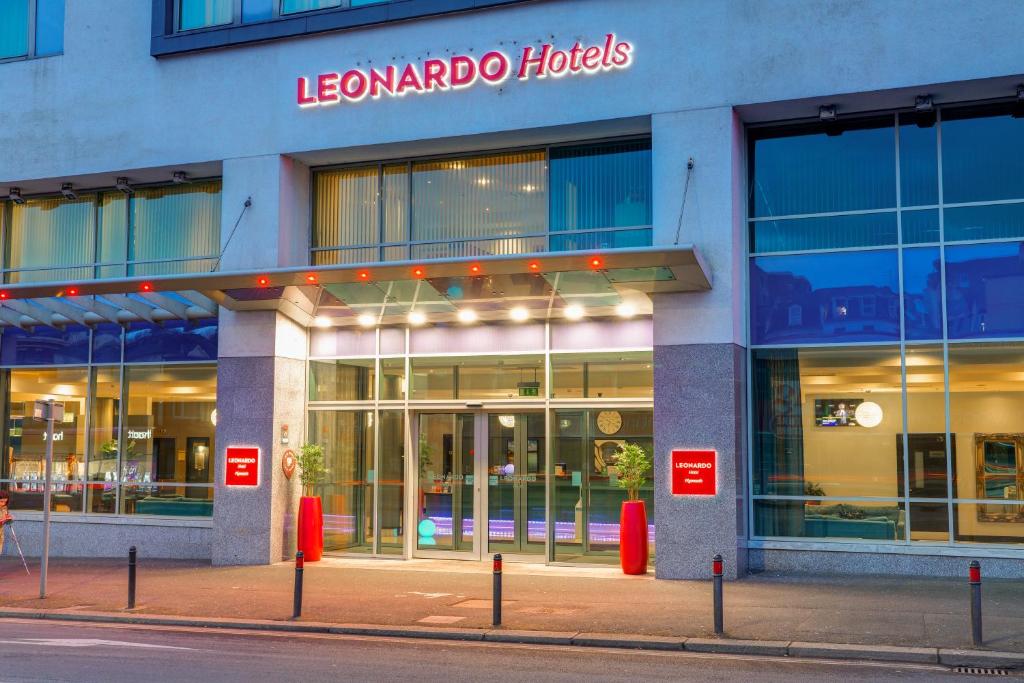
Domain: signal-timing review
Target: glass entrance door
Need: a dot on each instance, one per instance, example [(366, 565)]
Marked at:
[(446, 503), (516, 469)]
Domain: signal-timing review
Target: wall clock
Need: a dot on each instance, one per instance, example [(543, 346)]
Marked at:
[(609, 421)]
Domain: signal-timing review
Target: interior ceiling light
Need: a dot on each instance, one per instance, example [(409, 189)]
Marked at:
[(367, 320), (519, 314), (574, 312), (625, 310), (416, 318), (322, 321)]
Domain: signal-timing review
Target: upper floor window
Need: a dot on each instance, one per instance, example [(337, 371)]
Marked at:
[(154, 231), (195, 14), (31, 28), (591, 196)]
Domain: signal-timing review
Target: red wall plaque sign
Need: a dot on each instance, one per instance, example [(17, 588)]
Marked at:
[(288, 463), (242, 466), (694, 473)]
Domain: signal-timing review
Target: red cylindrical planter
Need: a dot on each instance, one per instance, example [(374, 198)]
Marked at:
[(311, 528), (633, 537)]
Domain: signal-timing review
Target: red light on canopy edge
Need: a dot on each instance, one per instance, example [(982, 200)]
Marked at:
[(596, 262), (363, 275), (263, 281), (72, 291), (311, 279), (3, 295), (146, 287), (475, 269), (534, 265), (417, 272)]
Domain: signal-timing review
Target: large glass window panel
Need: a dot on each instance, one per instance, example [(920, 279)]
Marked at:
[(113, 232), (203, 13), (13, 28), (1001, 523), (445, 518), (496, 196), (516, 471), (603, 239), (49, 27), (341, 380), (345, 212), (104, 428), (391, 481), (842, 167), (920, 226), (924, 473), (395, 197), (824, 232), (392, 379), (827, 422), (292, 6), (982, 155), (42, 345), (922, 293), (985, 290), (996, 221), (25, 452), (483, 377), (347, 495), (919, 157), (601, 186), (878, 521), (845, 296), (175, 222), (603, 375), (167, 440), (106, 343), (257, 10), (50, 232), (181, 340)]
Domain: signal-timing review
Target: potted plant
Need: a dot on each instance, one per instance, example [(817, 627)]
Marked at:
[(812, 489), (632, 465), (311, 516)]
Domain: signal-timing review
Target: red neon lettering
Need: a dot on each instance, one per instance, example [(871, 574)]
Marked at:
[(327, 87), (305, 99), (410, 79), (592, 58), (494, 67), (529, 60), (574, 57), (385, 81), (609, 41), (434, 72), (463, 71), (358, 91), (622, 57), (558, 62)]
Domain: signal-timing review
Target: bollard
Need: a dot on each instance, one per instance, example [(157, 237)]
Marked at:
[(496, 593), (131, 577), (716, 575), (297, 600), (974, 574)]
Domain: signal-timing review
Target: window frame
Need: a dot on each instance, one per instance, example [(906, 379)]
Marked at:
[(30, 52)]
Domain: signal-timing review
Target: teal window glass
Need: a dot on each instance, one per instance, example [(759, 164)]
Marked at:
[(601, 186), (920, 226), (257, 10), (919, 161), (50, 232), (13, 28), (824, 232), (982, 155), (994, 221), (49, 27), (203, 13), (292, 6)]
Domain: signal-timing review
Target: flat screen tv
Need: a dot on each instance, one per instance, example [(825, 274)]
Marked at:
[(836, 412)]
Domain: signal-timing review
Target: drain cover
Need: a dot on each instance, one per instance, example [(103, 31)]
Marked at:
[(981, 671)]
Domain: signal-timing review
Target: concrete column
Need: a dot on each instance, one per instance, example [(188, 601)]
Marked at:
[(699, 354)]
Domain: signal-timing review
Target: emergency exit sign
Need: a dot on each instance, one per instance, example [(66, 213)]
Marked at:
[(242, 466), (694, 473)]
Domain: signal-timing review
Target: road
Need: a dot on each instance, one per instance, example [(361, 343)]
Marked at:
[(67, 651)]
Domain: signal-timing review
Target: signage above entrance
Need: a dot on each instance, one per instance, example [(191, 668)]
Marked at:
[(242, 466), (694, 473), (462, 71)]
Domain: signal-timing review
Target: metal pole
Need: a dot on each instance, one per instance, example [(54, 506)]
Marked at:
[(46, 499), (716, 576), (496, 593), (131, 577), (297, 599), (974, 574)]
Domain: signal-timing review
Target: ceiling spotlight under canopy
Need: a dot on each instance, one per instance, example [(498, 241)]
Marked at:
[(417, 318), (467, 315), (574, 312), (367, 320), (519, 314)]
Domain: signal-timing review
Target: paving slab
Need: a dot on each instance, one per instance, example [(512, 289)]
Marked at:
[(878, 653), (729, 646), (531, 637), (628, 641)]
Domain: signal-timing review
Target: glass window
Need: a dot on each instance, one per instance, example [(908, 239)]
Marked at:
[(346, 209), (920, 226), (602, 375), (347, 495), (995, 221), (391, 512), (842, 167), (392, 379), (105, 425), (257, 10), (824, 232), (919, 155), (510, 377), (922, 293), (175, 222), (925, 459), (859, 519), (982, 155), (341, 380), (44, 345), (827, 422), (13, 28), (49, 27), (292, 6), (25, 455), (985, 290), (601, 186), (106, 343), (113, 233), (179, 340), (846, 296), (167, 440), (203, 13), (51, 232)]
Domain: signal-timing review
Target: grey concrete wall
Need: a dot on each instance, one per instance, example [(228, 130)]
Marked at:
[(699, 403), (180, 540), (823, 562)]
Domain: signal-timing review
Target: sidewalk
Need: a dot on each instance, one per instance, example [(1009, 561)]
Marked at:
[(910, 612)]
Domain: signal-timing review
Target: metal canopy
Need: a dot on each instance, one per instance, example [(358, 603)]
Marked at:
[(545, 284)]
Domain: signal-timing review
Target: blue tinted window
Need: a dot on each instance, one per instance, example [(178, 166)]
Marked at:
[(13, 28), (920, 226), (982, 156), (601, 186), (202, 13), (995, 221), (106, 343), (846, 296), (922, 293), (985, 290), (257, 10), (824, 232), (173, 341), (45, 346), (290, 6), (820, 172), (49, 27), (919, 162), (608, 239)]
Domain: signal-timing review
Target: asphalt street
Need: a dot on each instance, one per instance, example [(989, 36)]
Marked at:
[(65, 651)]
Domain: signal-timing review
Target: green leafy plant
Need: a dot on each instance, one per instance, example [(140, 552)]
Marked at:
[(312, 470), (632, 465), (812, 489), (425, 460)]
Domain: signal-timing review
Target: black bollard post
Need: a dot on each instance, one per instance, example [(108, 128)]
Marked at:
[(974, 574), (297, 601), (496, 593), (131, 577), (716, 576)]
